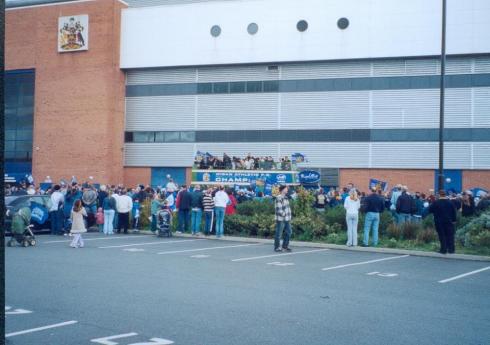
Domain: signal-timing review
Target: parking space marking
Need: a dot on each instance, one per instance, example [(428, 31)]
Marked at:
[(108, 340), (200, 256), (464, 275), (208, 248), (145, 244), (274, 255), (364, 262), (8, 311), (278, 263), (67, 323), (100, 238), (389, 275), (134, 250)]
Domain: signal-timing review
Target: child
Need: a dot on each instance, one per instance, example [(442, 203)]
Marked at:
[(78, 225), (136, 214), (99, 219)]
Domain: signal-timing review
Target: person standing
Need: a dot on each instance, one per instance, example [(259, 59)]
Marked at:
[(444, 219), (124, 206), (467, 205), (221, 199), (374, 205), (109, 206), (283, 217), (56, 211), (405, 207), (352, 205), (196, 213), (231, 206), (183, 204), (77, 224), (208, 206)]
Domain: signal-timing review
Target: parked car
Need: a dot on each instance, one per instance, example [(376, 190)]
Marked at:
[(39, 204)]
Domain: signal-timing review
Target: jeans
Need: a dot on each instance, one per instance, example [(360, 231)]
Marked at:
[(108, 222), (184, 220), (123, 222), (352, 220), (208, 217), (372, 219), (77, 241), (153, 222), (280, 226), (196, 220), (56, 218), (404, 218), (220, 218)]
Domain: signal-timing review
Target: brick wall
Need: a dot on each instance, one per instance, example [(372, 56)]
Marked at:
[(476, 178), (79, 96), (415, 180), (136, 176)]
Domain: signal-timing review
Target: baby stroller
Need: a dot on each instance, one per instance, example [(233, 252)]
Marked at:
[(164, 223), (21, 229)]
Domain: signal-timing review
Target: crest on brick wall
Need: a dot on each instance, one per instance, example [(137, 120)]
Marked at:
[(73, 33)]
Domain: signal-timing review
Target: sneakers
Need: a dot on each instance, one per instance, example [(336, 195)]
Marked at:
[(287, 249), (279, 250)]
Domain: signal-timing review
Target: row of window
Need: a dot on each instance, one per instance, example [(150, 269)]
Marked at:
[(301, 26), (238, 87), (160, 137), (18, 156)]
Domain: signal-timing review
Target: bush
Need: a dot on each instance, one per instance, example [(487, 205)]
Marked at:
[(471, 233), (335, 215), (253, 207), (145, 214), (427, 235), (409, 230), (482, 239), (392, 243), (308, 227), (394, 231)]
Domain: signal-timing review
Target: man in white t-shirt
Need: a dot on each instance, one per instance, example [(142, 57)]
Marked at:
[(124, 205), (221, 199)]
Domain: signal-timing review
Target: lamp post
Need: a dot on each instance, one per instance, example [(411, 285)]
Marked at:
[(441, 104)]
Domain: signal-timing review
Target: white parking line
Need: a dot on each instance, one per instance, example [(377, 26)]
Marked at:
[(145, 244), (40, 328), (274, 255), (464, 275), (101, 238), (209, 248), (365, 262)]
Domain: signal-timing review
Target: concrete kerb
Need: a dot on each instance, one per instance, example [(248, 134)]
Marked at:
[(342, 247)]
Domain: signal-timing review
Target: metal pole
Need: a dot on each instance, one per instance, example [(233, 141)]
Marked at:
[(441, 105)]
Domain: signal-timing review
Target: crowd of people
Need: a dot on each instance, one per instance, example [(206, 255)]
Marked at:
[(208, 161), (75, 207)]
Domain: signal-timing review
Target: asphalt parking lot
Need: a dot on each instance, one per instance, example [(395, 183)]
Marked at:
[(143, 290)]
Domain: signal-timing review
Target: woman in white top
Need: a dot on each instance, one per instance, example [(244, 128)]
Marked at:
[(78, 224), (352, 205)]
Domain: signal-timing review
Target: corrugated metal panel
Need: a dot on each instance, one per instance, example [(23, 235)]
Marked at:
[(389, 68), (457, 110), (147, 3), (161, 76), (422, 155), (236, 73), (415, 108), (330, 155), (482, 64), (422, 67), (457, 155), (241, 149), (481, 155), (160, 113), (482, 107), (158, 155), (458, 65), (321, 70), (324, 110), (237, 111)]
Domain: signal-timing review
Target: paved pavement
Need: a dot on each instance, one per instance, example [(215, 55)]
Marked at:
[(143, 290)]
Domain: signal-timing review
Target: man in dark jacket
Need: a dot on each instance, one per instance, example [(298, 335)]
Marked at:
[(405, 207), (444, 219), (373, 205), (183, 203), (196, 204)]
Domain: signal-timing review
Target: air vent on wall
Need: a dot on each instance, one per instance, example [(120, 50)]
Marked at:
[(273, 68)]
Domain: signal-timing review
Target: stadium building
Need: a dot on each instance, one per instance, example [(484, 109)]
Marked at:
[(128, 92)]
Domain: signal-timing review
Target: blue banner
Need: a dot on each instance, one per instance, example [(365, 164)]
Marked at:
[(379, 185), (243, 177), (309, 177), (39, 213)]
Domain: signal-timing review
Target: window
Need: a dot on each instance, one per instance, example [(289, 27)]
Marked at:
[(237, 87), (220, 87), (172, 137), (204, 88), (188, 137), (143, 137), (159, 137), (254, 86), (271, 86)]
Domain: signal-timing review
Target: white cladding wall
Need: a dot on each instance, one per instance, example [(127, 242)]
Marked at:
[(179, 35), (397, 155)]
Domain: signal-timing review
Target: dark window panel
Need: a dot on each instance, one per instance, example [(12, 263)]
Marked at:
[(159, 137), (172, 137), (271, 86), (237, 87), (188, 137), (23, 145), (144, 137), (205, 88), (128, 137), (254, 86), (221, 87)]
